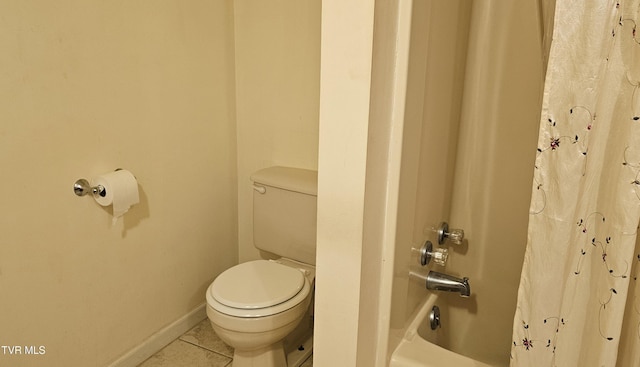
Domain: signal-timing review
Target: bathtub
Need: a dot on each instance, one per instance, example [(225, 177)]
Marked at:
[(419, 347)]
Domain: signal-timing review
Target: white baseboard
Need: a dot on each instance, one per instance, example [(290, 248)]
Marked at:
[(161, 338)]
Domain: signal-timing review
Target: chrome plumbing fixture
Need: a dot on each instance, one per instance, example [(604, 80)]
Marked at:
[(434, 318), (427, 253), (455, 235), (82, 188), (444, 282)]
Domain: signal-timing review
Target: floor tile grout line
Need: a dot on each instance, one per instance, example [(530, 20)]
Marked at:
[(205, 348)]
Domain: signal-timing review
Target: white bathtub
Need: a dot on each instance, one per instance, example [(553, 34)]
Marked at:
[(416, 351)]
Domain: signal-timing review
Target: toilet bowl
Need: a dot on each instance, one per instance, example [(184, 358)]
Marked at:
[(253, 306)]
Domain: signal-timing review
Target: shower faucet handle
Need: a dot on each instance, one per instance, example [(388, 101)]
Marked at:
[(427, 253), (456, 236)]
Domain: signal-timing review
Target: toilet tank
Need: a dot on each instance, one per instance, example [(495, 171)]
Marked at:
[(284, 212)]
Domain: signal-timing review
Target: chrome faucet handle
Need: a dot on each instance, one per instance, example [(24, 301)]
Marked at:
[(456, 236)]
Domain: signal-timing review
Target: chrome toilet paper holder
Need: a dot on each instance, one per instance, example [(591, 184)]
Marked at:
[(82, 187)]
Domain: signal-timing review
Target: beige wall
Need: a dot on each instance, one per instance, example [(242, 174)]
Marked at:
[(86, 87), (347, 41), (277, 55), (441, 46), (494, 173), (437, 53), (364, 61), (383, 219)]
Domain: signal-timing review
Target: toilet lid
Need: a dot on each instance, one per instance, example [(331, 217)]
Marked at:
[(257, 284)]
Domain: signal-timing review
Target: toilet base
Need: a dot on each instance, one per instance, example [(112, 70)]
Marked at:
[(271, 356), (300, 352), (296, 352)]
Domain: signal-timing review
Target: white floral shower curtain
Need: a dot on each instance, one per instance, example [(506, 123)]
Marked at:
[(579, 296)]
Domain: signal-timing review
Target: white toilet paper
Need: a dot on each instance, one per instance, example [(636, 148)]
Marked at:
[(121, 191)]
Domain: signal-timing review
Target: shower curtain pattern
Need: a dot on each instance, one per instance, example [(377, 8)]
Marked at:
[(579, 301)]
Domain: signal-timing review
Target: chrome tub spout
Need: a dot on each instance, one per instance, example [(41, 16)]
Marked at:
[(443, 282)]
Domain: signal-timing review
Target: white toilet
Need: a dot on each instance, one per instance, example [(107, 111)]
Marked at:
[(264, 308)]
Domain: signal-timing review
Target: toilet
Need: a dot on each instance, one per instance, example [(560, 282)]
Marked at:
[(264, 308)]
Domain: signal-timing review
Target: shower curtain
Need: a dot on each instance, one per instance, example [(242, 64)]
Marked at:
[(579, 295)]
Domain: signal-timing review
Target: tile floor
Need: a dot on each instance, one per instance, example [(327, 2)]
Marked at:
[(198, 347)]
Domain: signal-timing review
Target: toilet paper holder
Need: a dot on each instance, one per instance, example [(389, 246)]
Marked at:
[(82, 187)]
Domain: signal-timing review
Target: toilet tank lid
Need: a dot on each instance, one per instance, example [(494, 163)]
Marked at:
[(300, 180)]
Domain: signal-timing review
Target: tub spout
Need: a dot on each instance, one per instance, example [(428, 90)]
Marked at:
[(443, 282)]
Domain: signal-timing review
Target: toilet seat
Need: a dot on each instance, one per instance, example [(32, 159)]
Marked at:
[(257, 289)]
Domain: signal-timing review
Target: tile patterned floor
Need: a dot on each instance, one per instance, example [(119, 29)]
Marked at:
[(199, 347)]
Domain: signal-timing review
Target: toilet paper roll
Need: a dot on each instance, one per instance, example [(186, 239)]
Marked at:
[(121, 191)]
